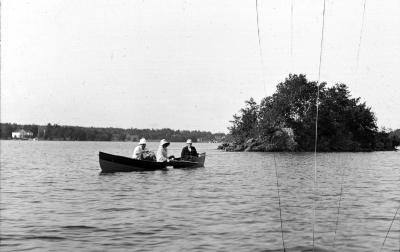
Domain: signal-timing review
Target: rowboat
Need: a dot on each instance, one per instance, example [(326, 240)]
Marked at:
[(199, 162), (114, 163)]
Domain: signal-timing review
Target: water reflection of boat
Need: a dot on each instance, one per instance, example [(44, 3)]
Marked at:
[(114, 163)]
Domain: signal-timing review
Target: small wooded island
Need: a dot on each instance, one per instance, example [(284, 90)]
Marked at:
[(286, 121)]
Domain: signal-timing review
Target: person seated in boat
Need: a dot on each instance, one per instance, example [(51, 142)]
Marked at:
[(189, 152), (162, 152), (142, 153)]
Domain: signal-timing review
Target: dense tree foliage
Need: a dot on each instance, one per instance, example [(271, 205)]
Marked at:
[(76, 133), (344, 123), (244, 125)]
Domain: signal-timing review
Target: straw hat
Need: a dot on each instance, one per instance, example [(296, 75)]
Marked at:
[(163, 141)]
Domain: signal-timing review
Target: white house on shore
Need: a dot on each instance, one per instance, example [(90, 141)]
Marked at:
[(21, 134)]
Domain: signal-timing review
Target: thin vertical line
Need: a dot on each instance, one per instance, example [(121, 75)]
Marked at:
[(361, 35), (339, 204), (390, 227), (260, 48), (315, 185), (291, 36), (279, 204)]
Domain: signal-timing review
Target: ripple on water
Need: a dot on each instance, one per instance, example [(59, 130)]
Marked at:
[(59, 200)]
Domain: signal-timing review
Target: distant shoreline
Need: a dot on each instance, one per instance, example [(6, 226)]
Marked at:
[(54, 140), (79, 133)]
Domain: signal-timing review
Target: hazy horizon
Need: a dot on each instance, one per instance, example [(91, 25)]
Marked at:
[(186, 64), (69, 125)]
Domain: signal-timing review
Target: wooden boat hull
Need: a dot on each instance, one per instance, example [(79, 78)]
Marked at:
[(114, 163), (189, 164)]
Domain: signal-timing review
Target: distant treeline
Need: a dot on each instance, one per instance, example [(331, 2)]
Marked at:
[(77, 133), (285, 121)]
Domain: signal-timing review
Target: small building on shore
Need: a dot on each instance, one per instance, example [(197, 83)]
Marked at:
[(21, 134)]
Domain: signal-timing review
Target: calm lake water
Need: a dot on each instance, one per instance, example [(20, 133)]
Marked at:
[(53, 198)]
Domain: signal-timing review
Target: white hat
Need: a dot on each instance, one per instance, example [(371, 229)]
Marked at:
[(142, 141), (163, 141), (189, 141)]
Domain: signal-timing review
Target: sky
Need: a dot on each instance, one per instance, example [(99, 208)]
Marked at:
[(187, 64)]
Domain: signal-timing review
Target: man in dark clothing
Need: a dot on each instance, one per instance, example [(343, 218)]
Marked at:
[(189, 153)]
